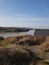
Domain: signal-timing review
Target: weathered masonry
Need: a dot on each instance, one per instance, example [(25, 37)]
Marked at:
[(41, 32)]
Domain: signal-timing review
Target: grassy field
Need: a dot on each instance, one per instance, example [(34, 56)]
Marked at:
[(24, 50)]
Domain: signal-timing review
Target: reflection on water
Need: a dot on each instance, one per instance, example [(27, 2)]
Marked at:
[(31, 32)]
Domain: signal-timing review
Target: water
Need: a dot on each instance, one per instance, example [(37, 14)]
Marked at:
[(5, 35)]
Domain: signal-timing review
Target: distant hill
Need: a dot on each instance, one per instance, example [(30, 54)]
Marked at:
[(14, 29)]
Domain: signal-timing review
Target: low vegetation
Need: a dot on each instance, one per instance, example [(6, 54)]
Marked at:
[(45, 46), (24, 40), (24, 50)]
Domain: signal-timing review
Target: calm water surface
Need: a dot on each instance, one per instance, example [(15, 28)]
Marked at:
[(5, 35)]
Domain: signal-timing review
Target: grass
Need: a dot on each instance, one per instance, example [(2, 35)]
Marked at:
[(45, 45), (24, 40), (13, 50)]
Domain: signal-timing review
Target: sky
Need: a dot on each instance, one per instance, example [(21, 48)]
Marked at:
[(24, 13)]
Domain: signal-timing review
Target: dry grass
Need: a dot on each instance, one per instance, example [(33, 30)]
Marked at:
[(24, 40), (45, 46), (16, 55), (14, 50)]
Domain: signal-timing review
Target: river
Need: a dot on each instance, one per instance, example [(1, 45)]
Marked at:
[(9, 34)]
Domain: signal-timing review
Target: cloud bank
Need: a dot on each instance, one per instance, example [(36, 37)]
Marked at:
[(25, 22)]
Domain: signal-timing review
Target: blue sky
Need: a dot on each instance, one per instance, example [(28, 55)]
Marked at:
[(24, 13)]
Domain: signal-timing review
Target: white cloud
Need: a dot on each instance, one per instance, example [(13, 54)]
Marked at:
[(24, 22), (23, 19), (40, 19)]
